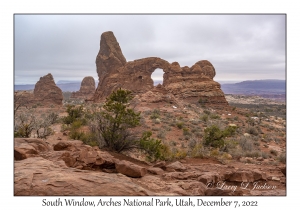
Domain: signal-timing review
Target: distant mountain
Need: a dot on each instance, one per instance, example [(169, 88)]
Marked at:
[(255, 86), (275, 89), (67, 81), (156, 82), (24, 87), (69, 86)]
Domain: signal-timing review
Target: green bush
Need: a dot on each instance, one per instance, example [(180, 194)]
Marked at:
[(87, 138), (155, 114), (153, 147), (179, 125), (214, 136), (204, 118), (74, 113), (215, 116), (186, 132)]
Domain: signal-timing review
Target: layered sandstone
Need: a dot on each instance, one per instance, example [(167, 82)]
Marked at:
[(72, 168), (87, 89), (46, 91), (189, 83)]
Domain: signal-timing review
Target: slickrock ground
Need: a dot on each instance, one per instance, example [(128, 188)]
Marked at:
[(67, 167)]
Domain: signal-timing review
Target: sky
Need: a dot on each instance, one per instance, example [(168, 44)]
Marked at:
[(240, 47)]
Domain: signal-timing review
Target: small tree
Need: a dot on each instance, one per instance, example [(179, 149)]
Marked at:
[(116, 121)]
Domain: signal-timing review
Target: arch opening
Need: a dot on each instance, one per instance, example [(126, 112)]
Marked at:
[(157, 76)]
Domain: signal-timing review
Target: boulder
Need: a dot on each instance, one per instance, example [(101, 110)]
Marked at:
[(67, 145), (245, 176), (130, 169), (155, 170), (210, 177), (176, 166), (28, 147)]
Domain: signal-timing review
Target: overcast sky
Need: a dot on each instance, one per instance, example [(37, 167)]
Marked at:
[(241, 47)]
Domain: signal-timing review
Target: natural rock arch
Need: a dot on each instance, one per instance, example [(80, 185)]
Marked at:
[(190, 83)]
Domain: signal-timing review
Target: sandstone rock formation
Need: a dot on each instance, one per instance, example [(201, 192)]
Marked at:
[(72, 168), (87, 89), (39, 176), (46, 91), (188, 83)]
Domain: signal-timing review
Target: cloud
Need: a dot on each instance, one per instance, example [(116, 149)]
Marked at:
[(239, 46)]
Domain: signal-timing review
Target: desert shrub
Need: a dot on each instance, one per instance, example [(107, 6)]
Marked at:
[(215, 116), (116, 121), (52, 118), (172, 143), (264, 155), (282, 158), (254, 153), (161, 134), (199, 134), (273, 152), (76, 135), (179, 125), (154, 148), (192, 143), (252, 130), (230, 144), (179, 154), (74, 113), (229, 131), (202, 101), (186, 132), (214, 152), (42, 128), (64, 127), (198, 151), (246, 144), (214, 136), (256, 144), (28, 123), (155, 114), (204, 118), (89, 138), (207, 112), (24, 125)]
